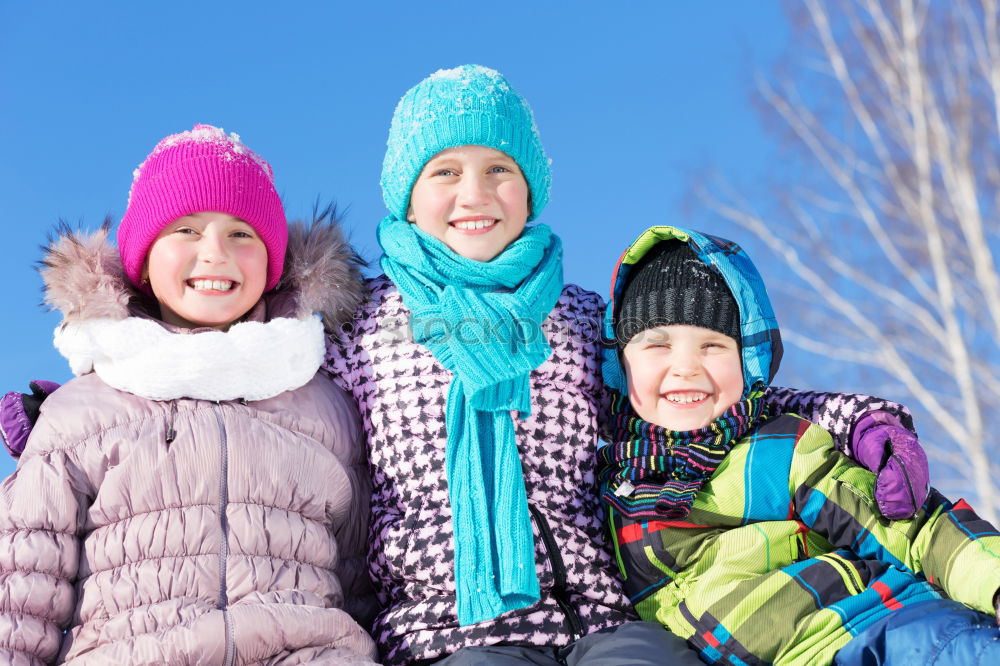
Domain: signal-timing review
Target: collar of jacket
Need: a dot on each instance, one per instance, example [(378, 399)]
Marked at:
[(106, 327)]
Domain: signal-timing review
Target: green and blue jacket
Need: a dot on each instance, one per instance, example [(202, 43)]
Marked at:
[(785, 557)]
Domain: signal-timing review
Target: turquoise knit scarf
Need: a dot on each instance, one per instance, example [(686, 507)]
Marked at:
[(482, 321)]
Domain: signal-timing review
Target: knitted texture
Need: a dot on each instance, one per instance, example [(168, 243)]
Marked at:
[(202, 170), (467, 105), (653, 472), (401, 390), (670, 285), (784, 557), (136, 531), (252, 360), (783, 533), (760, 339), (447, 294)]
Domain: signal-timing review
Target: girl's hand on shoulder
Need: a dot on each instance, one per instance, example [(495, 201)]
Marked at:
[(893, 453)]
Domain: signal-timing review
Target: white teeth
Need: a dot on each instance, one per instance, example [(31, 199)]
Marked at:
[(471, 225), (213, 285), (686, 398)]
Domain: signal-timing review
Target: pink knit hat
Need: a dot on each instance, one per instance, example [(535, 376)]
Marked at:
[(202, 170)]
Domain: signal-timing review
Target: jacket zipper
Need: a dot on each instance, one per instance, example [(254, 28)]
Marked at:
[(223, 603), (170, 435), (559, 592)]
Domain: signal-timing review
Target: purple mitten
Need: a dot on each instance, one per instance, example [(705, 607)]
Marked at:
[(884, 446), (18, 413)]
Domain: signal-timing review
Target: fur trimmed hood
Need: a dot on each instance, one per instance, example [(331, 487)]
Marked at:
[(84, 278), (107, 325)]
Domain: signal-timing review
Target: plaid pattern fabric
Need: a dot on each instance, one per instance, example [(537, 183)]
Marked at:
[(784, 557), (761, 342), (652, 472), (834, 412)]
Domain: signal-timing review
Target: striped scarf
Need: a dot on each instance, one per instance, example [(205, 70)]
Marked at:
[(652, 472)]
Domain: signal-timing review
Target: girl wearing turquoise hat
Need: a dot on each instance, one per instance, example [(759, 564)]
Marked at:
[(477, 374)]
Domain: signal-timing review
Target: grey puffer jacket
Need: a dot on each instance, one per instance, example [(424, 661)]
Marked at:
[(226, 528)]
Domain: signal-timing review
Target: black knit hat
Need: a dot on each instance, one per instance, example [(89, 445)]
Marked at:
[(671, 285)]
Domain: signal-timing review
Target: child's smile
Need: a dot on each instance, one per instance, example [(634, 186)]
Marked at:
[(683, 377), (686, 397), (207, 269), (474, 224), (472, 198), (201, 284)]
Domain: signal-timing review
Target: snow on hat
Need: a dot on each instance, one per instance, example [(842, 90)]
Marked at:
[(202, 170), (467, 105)]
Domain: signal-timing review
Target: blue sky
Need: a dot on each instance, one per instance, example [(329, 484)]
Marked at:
[(633, 102)]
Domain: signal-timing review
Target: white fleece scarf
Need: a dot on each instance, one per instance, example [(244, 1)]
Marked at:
[(252, 360)]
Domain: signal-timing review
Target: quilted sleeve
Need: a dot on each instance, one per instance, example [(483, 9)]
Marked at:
[(350, 523), (40, 515)]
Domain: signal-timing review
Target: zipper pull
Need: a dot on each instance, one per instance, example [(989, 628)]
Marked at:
[(171, 434)]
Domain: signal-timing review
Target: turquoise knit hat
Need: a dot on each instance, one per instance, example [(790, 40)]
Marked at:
[(467, 105)]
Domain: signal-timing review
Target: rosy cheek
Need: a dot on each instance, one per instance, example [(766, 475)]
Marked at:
[(640, 391), (514, 191)]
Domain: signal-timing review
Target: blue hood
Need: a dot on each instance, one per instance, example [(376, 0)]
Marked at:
[(761, 340)]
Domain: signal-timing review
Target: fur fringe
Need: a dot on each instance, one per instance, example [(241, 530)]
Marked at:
[(323, 270), (83, 275), (84, 279)]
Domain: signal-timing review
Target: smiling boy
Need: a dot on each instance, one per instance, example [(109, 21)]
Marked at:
[(746, 532)]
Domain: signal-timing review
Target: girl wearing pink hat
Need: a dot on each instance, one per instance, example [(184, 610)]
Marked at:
[(198, 493)]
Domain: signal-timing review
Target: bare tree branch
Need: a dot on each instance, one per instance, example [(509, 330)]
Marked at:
[(891, 223)]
